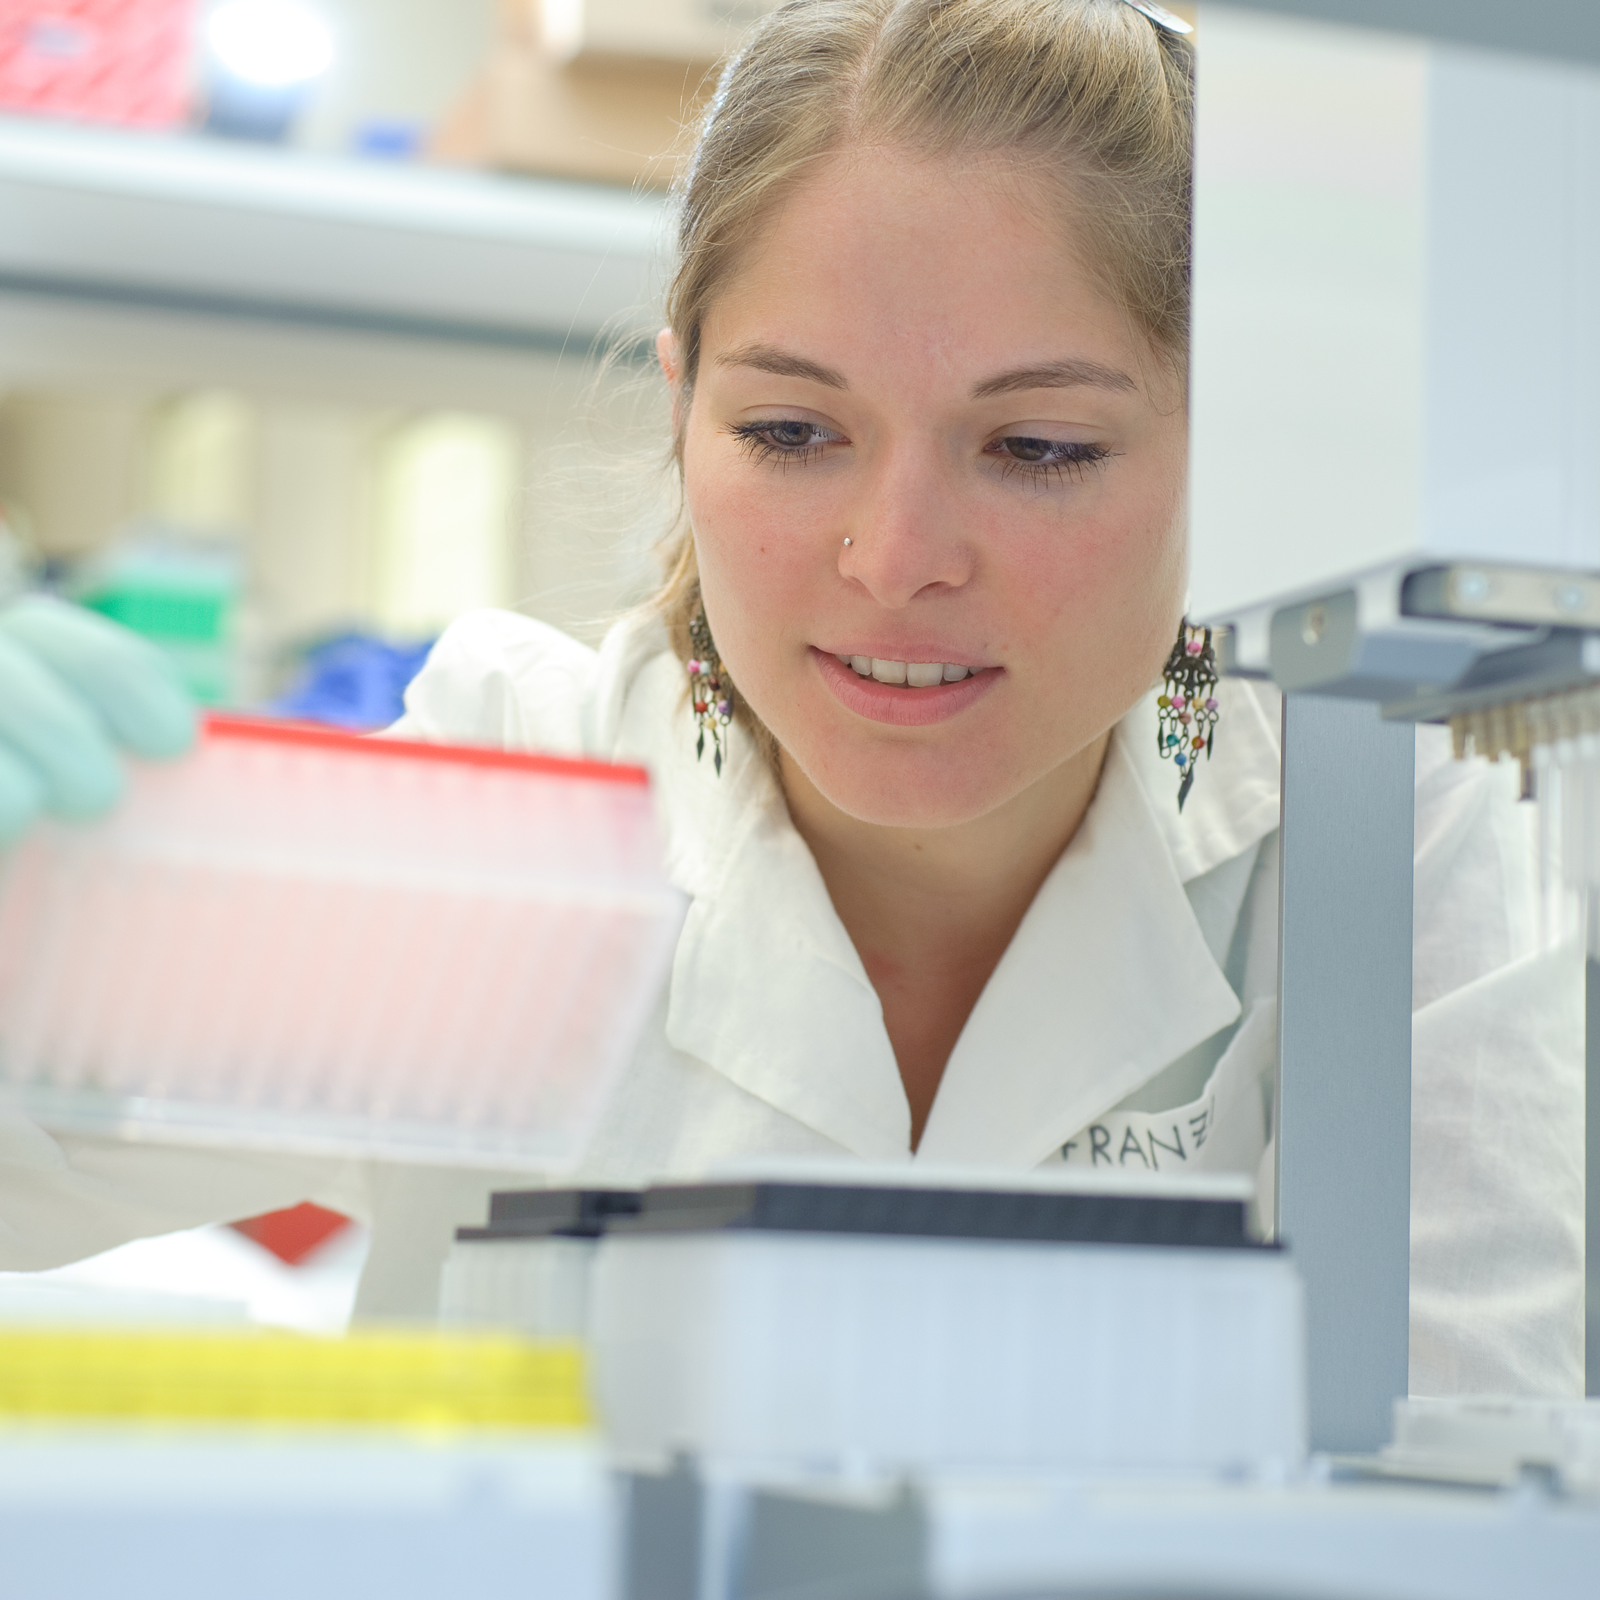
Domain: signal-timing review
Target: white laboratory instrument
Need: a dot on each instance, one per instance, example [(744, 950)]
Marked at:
[(1395, 483), (1396, 436), (845, 1329), (529, 1268)]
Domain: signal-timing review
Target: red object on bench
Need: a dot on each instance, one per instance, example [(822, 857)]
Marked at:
[(294, 1234)]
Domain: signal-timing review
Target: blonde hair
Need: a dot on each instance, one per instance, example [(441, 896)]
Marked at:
[(1089, 93)]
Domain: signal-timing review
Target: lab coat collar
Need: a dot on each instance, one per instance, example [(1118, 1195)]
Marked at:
[(1106, 982), (1234, 802), (766, 986)]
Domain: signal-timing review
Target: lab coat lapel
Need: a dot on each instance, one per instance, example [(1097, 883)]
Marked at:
[(1107, 981), (766, 985), (768, 988), (1235, 798)]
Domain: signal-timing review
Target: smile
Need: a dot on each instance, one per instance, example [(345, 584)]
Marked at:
[(914, 674)]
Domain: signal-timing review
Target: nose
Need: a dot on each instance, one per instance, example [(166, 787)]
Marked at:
[(905, 535)]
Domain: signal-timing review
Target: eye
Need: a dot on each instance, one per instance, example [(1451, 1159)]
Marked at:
[(784, 439), (1026, 449), (792, 435), (1046, 458)]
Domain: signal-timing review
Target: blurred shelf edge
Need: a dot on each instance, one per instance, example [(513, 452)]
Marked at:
[(182, 224)]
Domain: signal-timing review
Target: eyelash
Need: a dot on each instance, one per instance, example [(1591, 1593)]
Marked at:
[(754, 438), (1074, 460)]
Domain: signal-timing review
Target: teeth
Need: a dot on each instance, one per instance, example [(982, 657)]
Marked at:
[(843, 660), (914, 674)]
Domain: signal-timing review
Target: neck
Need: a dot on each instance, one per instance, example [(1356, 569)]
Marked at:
[(932, 910)]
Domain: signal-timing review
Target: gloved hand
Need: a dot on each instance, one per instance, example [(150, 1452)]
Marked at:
[(73, 686)]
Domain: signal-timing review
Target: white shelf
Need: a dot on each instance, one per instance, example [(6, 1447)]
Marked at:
[(190, 224)]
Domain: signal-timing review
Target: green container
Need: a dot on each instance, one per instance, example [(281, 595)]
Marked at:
[(183, 596)]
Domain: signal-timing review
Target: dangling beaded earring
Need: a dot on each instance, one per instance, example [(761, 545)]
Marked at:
[(710, 691), (1186, 722)]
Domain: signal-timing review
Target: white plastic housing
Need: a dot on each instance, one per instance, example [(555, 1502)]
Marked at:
[(1491, 1439), (791, 1354), (536, 1286), (321, 1514), (303, 940), (1396, 314), (1302, 1539)]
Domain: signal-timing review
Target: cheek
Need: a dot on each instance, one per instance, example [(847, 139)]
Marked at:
[(1097, 604), (758, 553)]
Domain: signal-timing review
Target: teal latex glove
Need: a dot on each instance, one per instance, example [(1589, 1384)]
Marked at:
[(73, 687)]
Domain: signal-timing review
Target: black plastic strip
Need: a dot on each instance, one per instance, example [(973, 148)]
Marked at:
[(553, 1213), (941, 1214)]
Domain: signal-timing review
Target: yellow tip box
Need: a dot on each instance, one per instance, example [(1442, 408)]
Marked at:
[(414, 1379)]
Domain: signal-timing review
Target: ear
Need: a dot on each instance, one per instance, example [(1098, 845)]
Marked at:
[(670, 354), (667, 353)]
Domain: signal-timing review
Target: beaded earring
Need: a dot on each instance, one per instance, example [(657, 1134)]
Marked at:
[(710, 691), (1186, 715)]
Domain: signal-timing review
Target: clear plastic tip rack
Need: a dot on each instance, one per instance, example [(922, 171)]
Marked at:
[(298, 939)]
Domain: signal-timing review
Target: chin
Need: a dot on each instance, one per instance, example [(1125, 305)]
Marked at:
[(905, 785)]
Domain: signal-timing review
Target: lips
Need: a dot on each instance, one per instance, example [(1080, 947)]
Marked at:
[(888, 693)]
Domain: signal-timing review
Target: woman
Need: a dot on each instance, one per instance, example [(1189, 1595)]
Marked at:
[(926, 350)]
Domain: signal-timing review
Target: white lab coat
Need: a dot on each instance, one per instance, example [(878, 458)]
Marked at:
[(1130, 1021)]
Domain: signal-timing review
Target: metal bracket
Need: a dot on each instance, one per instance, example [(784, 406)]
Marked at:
[(1426, 641)]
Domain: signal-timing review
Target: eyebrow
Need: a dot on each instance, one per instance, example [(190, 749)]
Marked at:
[(767, 358), (1050, 375), (1056, 375)]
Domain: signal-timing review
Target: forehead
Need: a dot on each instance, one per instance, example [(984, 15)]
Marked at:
[(926, 266)]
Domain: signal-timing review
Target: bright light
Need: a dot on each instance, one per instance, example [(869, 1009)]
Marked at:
[(271, 43)]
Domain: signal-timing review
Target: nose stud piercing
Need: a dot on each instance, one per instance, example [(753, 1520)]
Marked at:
[(849, 541)]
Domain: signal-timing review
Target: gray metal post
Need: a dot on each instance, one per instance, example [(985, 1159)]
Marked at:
[(1343, 1105), (1591, 1207)]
